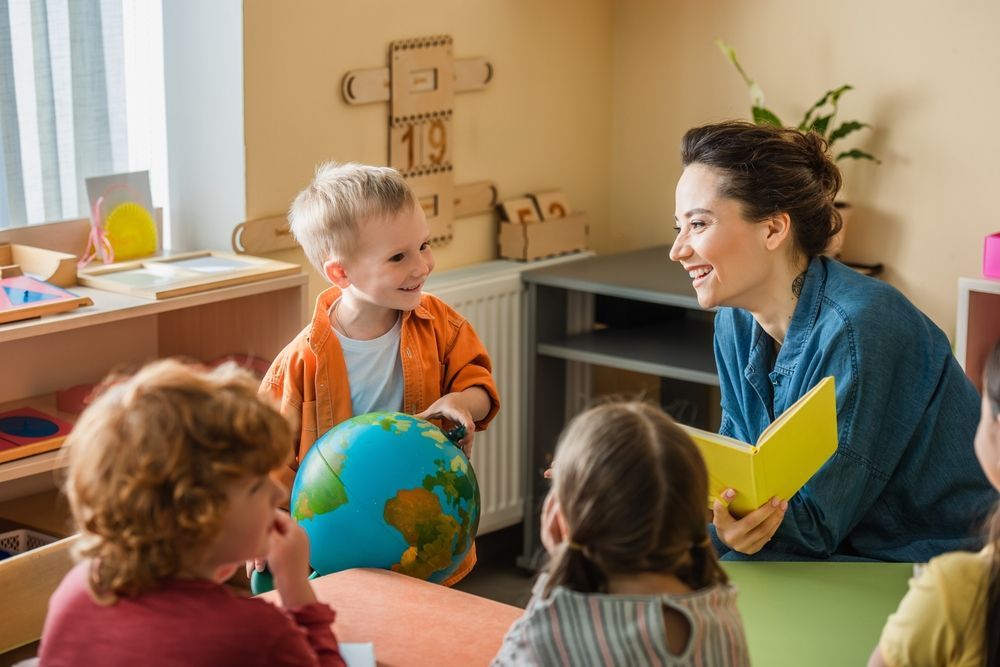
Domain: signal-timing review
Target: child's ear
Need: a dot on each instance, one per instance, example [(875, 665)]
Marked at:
[(336, 273), (779, 228)]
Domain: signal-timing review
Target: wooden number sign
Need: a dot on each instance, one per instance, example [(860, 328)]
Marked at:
[(420, 85)]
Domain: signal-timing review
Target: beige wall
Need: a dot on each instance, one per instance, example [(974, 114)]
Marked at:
[(544, 122), (924, 75), (592, 96)]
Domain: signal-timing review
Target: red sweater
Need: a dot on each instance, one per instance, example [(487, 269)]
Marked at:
[(186, 623)]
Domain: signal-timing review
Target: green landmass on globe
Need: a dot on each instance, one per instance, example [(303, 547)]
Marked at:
[(387, 490)]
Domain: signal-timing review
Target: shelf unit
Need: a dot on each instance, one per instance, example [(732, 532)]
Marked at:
[(978, 324), (646, 318), (43, 355)]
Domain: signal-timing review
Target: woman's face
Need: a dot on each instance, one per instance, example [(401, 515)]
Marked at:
[(725, 255), (988, 441)]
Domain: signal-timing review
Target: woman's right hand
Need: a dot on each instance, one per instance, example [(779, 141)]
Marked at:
[(749, 534)]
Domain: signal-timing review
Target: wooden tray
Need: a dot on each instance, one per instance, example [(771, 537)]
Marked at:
[(165, 277)]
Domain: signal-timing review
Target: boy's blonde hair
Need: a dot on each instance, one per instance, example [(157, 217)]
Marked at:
[(633, 490), (149, 462), (324, 217)]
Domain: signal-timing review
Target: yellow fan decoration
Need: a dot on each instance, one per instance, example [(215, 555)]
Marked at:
[(131, 230)]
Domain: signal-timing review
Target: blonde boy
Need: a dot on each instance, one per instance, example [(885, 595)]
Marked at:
[(170, 486), (376, 341)]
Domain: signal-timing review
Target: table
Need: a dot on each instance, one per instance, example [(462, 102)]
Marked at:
[(413, 622), (816, 613)]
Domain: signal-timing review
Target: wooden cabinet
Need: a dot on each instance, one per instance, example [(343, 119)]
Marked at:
[(40, 356), (978, 324)]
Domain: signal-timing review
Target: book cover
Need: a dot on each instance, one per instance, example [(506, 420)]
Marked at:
[(786, 454)]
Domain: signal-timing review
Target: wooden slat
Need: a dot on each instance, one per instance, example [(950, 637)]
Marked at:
[(365, 86), (266, 235), (263, 235), (475, 198)]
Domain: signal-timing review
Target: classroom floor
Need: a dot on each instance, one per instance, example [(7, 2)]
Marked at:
[(496, 576)]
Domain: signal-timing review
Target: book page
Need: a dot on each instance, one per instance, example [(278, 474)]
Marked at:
[(798, 443), (730, 465)]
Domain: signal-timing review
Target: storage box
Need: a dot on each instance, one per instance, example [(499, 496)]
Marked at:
[(16, 542), (991, 256), (57, 268), (543, 239)]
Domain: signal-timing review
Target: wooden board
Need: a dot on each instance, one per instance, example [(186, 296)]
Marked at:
[(17, 442), (166, 277), (366, 86), (23, 297), (57, 268)]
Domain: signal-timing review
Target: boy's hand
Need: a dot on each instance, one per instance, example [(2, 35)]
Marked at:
[(258, 564), (749, 534), (288, 560), (455, 408)]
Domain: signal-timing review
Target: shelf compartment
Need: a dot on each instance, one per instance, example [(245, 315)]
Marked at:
[(670, 350)]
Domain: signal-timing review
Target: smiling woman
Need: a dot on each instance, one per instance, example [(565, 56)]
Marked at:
[(754, 211)]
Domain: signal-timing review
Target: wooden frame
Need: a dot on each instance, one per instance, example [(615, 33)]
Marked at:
[(15, 446), (37, 298), (187, 273)]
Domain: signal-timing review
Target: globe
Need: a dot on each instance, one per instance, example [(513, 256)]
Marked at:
[(387, 490)]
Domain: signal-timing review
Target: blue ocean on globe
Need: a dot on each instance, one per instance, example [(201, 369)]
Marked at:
[(387, 490)]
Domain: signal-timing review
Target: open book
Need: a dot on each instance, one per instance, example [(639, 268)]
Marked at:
[(786, 455)]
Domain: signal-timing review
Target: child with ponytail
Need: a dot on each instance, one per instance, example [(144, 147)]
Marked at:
[(951, 615), (632, 578)]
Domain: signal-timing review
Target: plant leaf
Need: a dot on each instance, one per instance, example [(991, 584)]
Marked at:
[(831, 97), (846, 128), (855, 154), (762, 116), (756, 93), (820, 124)]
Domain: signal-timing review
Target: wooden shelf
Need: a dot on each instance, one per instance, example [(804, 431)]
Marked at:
[(663, 350), (44, 355)]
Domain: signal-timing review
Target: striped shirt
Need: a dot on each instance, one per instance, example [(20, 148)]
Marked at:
[(584, 629)]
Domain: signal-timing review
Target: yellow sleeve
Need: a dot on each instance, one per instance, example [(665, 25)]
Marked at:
[(931, 621)]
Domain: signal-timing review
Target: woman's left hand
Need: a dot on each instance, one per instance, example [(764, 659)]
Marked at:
[(749, 534)]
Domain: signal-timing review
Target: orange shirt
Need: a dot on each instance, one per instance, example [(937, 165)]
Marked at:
[(440, 354)]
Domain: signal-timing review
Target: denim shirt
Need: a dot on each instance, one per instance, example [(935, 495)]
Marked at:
[(904, 483)]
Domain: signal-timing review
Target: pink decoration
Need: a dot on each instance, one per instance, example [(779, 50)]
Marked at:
[(991, 256)]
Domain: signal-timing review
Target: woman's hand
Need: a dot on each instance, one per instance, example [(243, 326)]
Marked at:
[(749, 534)]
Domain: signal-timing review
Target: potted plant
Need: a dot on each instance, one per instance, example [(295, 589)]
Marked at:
[(820, 118)]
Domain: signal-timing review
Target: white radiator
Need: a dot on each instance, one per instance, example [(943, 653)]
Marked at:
[(491, 297)]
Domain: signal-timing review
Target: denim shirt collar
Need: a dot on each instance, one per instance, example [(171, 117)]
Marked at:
[(758, 371)]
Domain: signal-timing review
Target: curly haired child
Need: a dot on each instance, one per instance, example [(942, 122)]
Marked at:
[(170, 484)]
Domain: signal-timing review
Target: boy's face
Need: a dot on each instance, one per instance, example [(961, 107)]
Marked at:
[(246, 525), (391, 261)]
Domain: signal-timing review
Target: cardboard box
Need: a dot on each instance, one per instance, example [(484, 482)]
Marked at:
[(543, 239)]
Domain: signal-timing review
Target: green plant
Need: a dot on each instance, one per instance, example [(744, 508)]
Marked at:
[(820, 117)]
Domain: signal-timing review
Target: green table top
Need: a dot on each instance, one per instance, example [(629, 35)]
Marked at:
[(816, 613)]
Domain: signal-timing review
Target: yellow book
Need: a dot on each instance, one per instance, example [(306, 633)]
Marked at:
[(786, 455)]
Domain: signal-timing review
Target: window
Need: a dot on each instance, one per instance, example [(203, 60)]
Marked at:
[(81, 94)]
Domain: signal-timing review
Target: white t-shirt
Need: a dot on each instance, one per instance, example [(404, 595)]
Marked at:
[(374, 371)]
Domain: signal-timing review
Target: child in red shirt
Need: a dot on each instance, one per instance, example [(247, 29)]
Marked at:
[(170, 486)]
